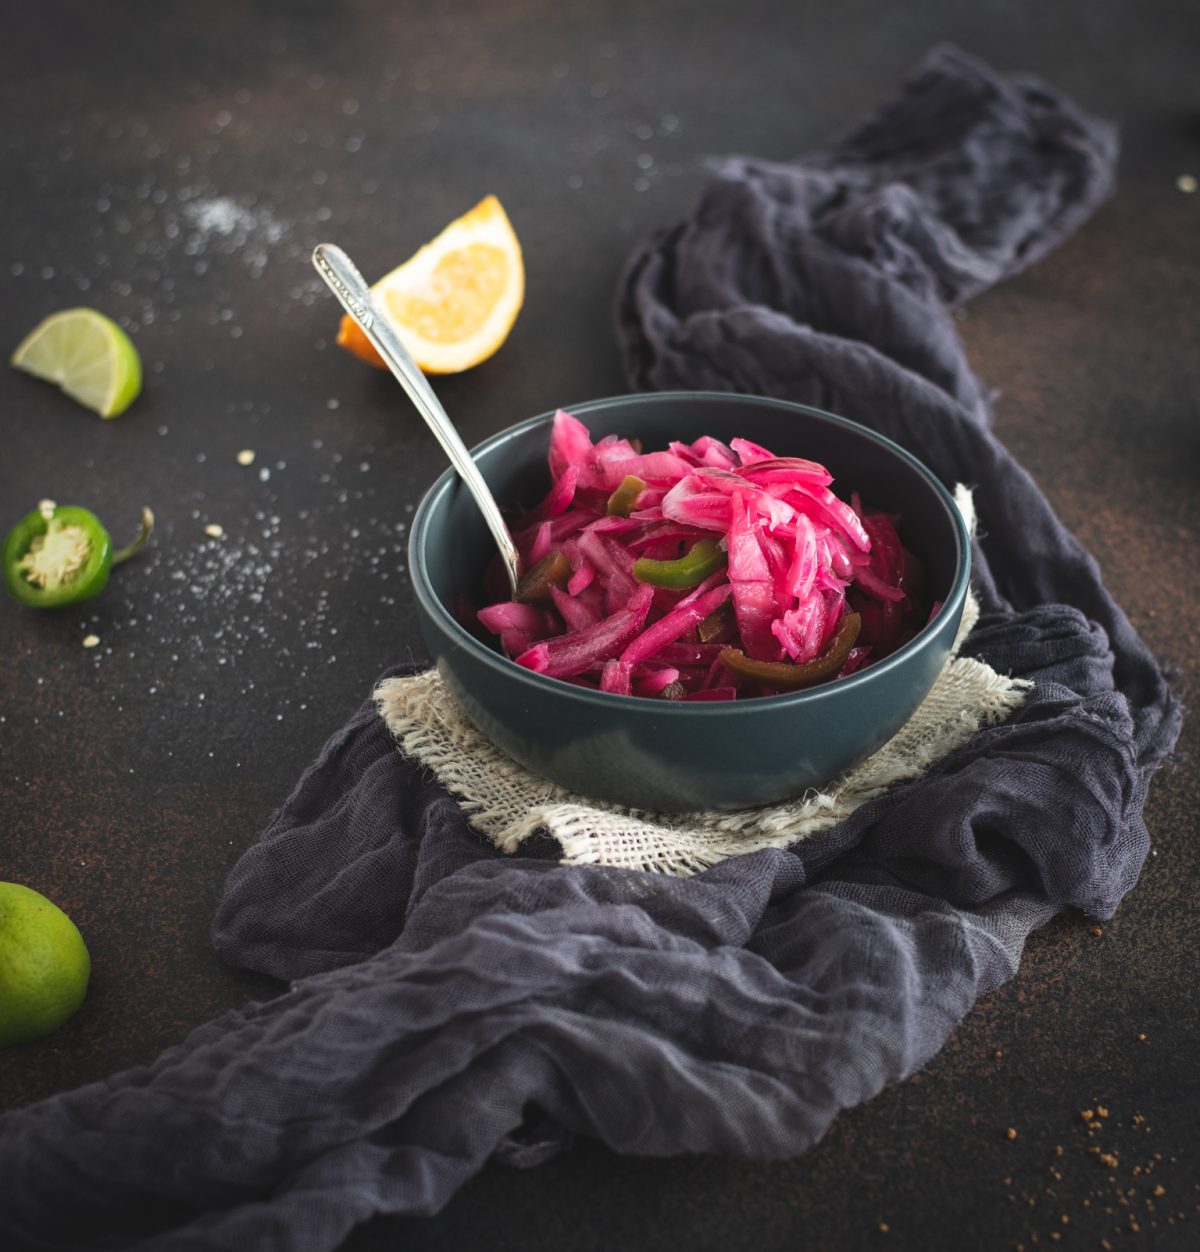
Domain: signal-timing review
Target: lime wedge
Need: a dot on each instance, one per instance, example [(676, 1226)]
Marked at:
[(88, 355)]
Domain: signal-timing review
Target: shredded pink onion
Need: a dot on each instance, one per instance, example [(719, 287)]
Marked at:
[(797, 559)]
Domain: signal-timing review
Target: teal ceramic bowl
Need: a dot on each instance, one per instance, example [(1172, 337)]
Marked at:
[(664, 755)]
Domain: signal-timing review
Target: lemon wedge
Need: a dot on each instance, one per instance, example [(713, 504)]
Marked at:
[(454, 301)]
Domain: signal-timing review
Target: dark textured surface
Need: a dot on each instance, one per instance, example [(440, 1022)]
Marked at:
[(110, 800)]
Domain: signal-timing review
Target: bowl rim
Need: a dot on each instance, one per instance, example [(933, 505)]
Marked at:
[(432, 606)]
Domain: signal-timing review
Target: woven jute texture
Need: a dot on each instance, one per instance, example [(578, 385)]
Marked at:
[(507, 803)]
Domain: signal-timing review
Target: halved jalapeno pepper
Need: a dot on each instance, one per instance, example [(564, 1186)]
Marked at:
[(62, 555)]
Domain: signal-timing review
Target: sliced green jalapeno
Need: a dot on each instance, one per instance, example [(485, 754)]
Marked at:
[(783, 675), (534, 588), (623, 501), (690, 570)]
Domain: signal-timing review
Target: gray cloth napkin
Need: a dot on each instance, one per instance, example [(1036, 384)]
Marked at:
[(454, 1005)]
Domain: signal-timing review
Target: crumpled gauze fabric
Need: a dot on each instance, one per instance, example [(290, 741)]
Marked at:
[(450, 1005)]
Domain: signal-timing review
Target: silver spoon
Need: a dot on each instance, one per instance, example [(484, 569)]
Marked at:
[(344, 280)]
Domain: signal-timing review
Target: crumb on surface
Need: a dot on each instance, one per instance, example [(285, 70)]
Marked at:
[(246, 456), (1011, 1132), (214, 531), (1186, 183), (90, 641)]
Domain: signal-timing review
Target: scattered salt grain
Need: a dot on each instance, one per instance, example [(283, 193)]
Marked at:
[(220, 215)]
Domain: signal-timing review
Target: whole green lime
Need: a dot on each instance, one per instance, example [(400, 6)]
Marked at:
[(44, 965)]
